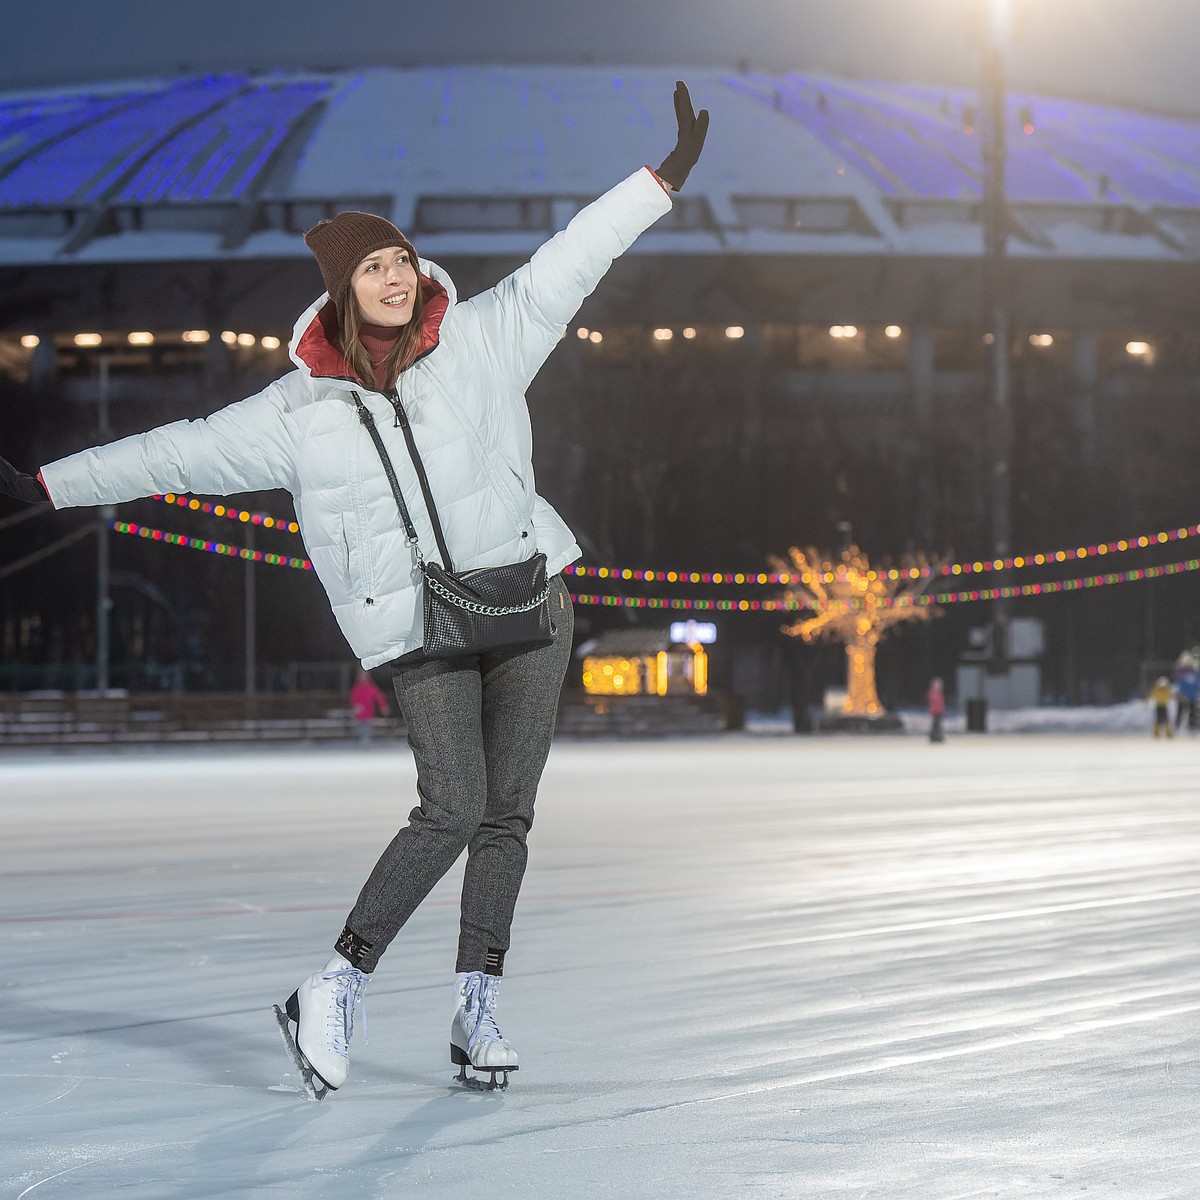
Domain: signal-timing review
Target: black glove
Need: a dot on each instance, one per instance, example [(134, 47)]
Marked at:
[(23, 487), (692, 131)]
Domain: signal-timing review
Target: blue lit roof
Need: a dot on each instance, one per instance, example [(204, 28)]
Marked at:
[(796, 164)]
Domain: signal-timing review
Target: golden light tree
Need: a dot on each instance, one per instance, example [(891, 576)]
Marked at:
[(854, 603)]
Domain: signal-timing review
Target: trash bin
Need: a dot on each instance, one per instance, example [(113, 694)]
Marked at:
[(977, 716)]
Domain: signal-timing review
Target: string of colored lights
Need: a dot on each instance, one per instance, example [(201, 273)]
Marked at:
[(776, 578), (938, 598), (231, 514), (191, 543), (1017, 562), (1050, 587)]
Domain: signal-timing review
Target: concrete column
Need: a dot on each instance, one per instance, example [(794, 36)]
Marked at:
[(921, 371), (1086, 363)]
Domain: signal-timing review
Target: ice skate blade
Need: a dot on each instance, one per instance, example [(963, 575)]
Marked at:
[(474, 1084), (314, 1085)]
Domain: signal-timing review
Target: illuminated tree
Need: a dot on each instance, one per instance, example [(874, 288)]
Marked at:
[(855, 604)]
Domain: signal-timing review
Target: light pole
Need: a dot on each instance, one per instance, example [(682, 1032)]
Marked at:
[(995, 29), (107, 512)]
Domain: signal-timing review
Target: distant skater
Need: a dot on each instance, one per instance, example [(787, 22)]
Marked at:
[(1161, 695), (404, 438), (366, 701), (935, 702)]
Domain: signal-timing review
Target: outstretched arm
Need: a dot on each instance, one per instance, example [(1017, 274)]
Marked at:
[(242, 448), (522, 318)]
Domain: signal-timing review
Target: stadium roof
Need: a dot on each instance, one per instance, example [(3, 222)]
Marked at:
[(490, 160)]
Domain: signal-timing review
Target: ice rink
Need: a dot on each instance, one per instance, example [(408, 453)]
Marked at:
[(748, 966)]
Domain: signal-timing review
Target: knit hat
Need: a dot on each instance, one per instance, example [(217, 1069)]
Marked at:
[(342, 242)]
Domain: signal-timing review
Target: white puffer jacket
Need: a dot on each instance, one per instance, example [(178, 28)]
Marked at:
[(465, 402)]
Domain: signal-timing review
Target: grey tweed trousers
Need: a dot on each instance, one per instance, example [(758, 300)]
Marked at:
[(480, 729)]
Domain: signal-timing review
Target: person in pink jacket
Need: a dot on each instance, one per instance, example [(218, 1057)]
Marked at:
[(366, 700), (935, 702)]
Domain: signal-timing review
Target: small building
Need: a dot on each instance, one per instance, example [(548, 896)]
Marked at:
[(643, 662)]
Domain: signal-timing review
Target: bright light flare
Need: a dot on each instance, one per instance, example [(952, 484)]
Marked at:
[(141, 337), (88, 339), (196, 336), (663, 335), (31, 341)]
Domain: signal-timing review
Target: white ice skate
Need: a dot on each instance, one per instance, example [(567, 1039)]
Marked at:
[(475, 1040), (322, 1009)]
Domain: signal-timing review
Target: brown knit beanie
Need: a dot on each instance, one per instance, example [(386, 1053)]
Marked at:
[(342, 242)]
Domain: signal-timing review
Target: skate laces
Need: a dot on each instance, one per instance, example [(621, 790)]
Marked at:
[(479, 991), (349, 996)]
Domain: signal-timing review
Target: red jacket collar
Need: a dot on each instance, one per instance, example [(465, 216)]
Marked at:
[(317, 347)]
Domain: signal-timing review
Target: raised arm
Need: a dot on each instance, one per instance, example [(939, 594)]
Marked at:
[(243, 448), (522, 318)]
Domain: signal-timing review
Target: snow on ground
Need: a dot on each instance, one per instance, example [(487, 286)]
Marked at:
[(967, 970)]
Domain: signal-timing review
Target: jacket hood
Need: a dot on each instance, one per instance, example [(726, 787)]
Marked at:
[(312, 347)]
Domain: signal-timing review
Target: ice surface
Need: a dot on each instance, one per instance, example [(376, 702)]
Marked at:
[(967, 970)]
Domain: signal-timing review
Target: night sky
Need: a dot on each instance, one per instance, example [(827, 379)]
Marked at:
[(1131, 51)]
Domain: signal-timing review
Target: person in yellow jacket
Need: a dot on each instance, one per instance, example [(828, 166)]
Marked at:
[(1161, 695)]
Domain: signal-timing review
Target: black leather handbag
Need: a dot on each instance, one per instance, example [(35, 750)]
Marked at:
[(466, 612)]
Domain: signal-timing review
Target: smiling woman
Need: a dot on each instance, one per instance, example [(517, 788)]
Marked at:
[(480, 717)]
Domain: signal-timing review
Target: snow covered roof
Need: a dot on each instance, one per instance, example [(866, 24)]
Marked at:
[(490, 160)]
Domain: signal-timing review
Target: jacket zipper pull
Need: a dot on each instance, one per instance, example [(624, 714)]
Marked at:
[(394, 397)]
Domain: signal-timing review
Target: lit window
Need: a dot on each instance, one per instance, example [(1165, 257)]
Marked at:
[(595, 337), (195, 335), (893, 331), (270, 343), (31, 341), (88, 339), (689, 333), (1139, 349), (663, 335), (229, 337), (1041, 339), (246, 339), (734, 331), (141, 338)]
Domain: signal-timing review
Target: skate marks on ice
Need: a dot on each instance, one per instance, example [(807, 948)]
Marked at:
[(979, 981)]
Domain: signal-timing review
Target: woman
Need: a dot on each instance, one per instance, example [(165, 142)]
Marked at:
[(391, 337)]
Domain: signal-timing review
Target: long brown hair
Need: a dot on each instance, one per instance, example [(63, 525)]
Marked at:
[(400, 357)]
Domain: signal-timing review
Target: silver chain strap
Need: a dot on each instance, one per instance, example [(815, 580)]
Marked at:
[(485, 610)]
